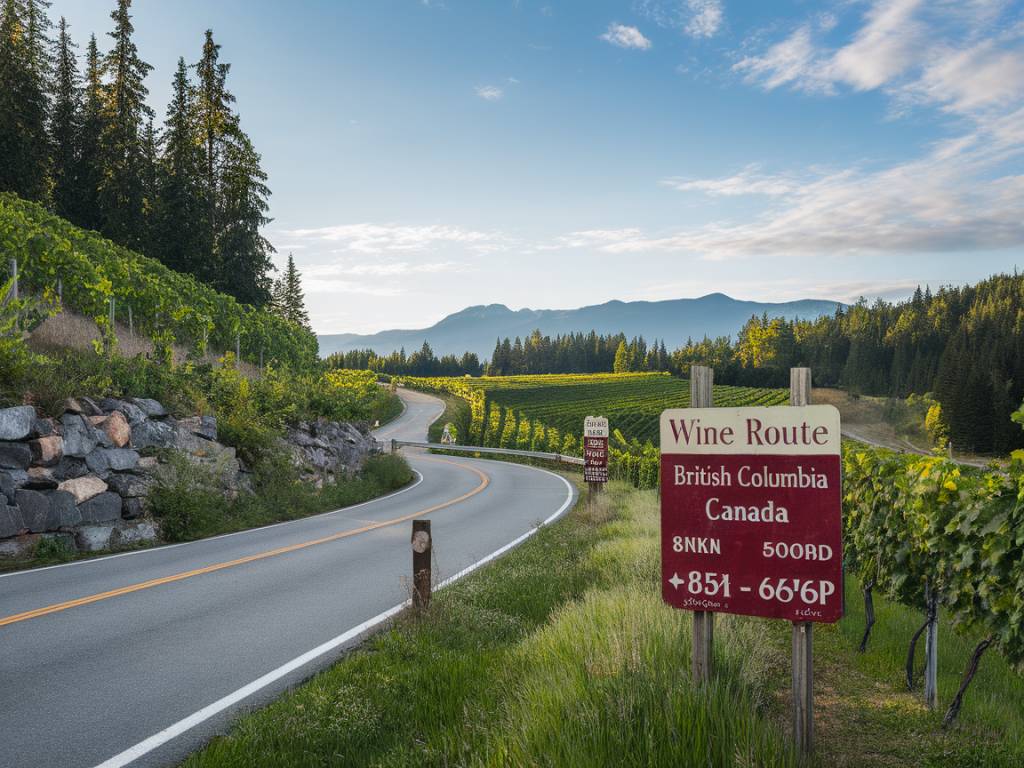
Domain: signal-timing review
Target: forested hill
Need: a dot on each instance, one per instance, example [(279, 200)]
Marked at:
[(474, 329), (965, 345)]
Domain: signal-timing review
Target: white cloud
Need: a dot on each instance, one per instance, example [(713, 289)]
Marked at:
[(372, 238), (489, 92), (960, 196), (696, 18), (626, 37), (884, 48), (707, 18), (794, 60), (749, 181)]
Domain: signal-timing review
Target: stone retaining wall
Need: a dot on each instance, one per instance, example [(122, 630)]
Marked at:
[(84, 478)]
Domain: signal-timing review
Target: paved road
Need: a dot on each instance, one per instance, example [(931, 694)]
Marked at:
[(140, 658)]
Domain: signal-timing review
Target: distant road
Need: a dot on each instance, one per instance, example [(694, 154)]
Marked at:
[(138, 659)]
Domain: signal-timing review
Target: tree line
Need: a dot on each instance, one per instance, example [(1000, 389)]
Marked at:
[(963, 344), (191, 193), (576, 353), (422, 362)]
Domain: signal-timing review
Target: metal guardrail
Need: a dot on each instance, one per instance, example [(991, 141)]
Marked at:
[(395, 444)]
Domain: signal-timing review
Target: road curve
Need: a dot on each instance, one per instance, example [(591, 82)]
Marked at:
[(138, 659)]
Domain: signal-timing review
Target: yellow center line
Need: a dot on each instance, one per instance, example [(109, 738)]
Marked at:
[(57, 607)]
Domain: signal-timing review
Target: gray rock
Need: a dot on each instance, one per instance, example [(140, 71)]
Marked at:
[(93, 538), (15, 455), (82, 405), (80, 437), (40, 479), (20, 548), (152, 434), (101, 509), (70, 467), (130, 411), (133, 508), (42, 427), (37, 513), (203, 426), (16, 423), (130, 485), (151, 408), (65, 509), (112, 459), (11, 523), (7, 488), (188, 442)]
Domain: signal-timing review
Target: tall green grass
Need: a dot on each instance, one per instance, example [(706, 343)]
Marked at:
[(560, 654)]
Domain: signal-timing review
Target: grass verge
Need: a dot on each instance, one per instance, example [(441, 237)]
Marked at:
[(562, 654), (189, 506)]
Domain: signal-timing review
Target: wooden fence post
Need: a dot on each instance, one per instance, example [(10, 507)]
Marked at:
[(702, 381), (13, 295), (422, 549), (803, 631), (238, 347), (60, 292), (131, 323), (931, 651)]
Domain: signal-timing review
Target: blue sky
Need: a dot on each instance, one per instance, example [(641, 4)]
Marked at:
[(425, 156)]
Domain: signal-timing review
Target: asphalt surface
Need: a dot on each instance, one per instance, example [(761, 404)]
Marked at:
[(139, 659)]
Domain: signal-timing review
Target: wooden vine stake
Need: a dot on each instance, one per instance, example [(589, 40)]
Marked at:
[(422, 550), (803, 631), (702, 381), (931, 652)]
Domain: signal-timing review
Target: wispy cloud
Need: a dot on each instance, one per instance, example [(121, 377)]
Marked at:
[(370, 238), (749, 181), (707, 18), (489, 92), (696, 18), (623, 36)]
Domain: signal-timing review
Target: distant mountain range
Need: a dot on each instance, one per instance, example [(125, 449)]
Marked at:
[(476, 328)]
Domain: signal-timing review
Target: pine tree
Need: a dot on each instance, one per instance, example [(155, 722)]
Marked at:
[(244, 254), (180, 240), (89, 173), (288, 299), (148, 175), (24, 145), (217, 127), (122, 190), (65, 128)]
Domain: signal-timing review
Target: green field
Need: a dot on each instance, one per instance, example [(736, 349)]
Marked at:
[(631, 401)]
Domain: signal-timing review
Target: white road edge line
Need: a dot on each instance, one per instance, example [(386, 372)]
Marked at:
[(166, 547), (158, 740)]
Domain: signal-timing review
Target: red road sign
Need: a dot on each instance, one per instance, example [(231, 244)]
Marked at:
[(595, 449), (751, 511)]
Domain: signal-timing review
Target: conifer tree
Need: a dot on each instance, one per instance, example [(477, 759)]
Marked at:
[(180, 239), (89, 173), (217, 128), (244, 254), (289, 301), (121, 189), (65, 128), (24, 146)]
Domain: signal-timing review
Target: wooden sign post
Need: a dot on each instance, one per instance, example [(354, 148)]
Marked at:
[(702, 388), (422, 551), (751, 522), (803, 631)]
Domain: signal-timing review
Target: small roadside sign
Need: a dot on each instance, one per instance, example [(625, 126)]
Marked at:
[(595, 449)]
